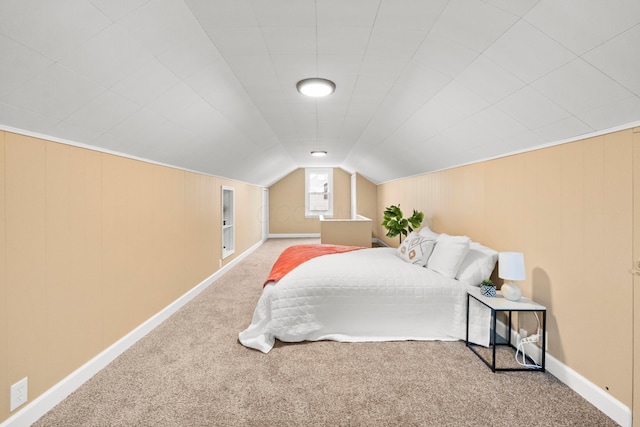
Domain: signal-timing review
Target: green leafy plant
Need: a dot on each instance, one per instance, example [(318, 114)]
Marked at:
[(396, 225), (487, 282)]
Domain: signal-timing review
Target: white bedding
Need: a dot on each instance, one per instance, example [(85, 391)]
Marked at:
[(364, 295)]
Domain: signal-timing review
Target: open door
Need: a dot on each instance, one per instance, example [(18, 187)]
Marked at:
[(354, 197), (265, 213)]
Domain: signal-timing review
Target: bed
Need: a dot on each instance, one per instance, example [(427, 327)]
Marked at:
[(376, 294)]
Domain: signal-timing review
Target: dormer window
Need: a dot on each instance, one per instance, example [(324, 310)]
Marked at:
[(319, 192)]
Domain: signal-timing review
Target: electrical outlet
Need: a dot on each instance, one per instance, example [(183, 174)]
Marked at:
[(19, 393), (523, 333)]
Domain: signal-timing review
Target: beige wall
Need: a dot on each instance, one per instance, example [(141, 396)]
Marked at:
[(92, 245), (569, 209), (349, 232), (366, 201), (286, 203)]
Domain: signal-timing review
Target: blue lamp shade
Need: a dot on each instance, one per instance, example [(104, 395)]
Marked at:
[(511, 267)]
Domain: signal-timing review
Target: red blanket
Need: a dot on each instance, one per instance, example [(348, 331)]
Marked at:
[(293, 256)]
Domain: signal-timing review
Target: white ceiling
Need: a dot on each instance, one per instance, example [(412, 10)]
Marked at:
[(209, 85)]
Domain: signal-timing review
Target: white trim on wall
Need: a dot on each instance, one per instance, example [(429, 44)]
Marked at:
[(56, 394), (294, 236), (328, 192), (379, 242), (593, 394), (354, 197), (24, 132), (265, 214), (525, 150)]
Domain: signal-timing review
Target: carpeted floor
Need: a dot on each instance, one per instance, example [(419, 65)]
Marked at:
[(191, 371)]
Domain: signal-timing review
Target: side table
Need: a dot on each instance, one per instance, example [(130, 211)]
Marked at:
[(500, 304)]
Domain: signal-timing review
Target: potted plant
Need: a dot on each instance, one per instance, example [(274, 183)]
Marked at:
[(487, 288), (396, 225)]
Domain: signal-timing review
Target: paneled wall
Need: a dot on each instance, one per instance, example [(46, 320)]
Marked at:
[(286, 203), (366, 201), (92, 245), (569, 208)]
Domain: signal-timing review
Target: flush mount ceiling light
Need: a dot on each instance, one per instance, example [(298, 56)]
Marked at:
[(316, 87), (318, 153)]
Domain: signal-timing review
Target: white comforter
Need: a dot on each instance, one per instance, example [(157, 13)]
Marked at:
[(364, 295)]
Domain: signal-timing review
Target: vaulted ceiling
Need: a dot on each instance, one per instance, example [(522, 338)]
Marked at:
[(210, 85)]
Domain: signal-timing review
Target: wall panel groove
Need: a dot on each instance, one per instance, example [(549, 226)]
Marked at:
[(91, 246)]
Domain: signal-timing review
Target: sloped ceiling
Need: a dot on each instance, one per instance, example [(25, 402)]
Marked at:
[(209, 85)]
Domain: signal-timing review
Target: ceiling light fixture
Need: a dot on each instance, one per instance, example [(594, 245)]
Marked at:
[(316, 87)]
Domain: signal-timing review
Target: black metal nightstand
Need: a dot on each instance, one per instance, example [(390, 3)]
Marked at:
[(500, 304)]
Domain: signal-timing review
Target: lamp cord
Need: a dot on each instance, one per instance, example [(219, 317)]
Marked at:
[(522, 342)]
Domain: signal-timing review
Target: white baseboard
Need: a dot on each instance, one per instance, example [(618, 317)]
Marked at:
[(379, 242), (56, 394), (593, 394), (295, 236)]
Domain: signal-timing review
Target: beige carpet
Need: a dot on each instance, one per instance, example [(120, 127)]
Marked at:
[(191, 371)]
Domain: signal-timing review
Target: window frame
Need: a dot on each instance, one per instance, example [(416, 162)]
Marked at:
[(307, 174)]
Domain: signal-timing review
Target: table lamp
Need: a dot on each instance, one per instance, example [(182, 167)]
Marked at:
[(511, 267)]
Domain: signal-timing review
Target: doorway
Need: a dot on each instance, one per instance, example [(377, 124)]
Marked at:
[(636, 278)]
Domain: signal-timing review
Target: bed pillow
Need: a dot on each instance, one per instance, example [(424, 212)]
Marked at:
[(416, 249), (426, 232), (477, 265), (448, 254)]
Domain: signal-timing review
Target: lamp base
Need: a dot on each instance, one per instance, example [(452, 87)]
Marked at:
[(511, 291)]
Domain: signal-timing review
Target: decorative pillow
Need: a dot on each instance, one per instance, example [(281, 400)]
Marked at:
[(477, 265), (415, 249), (426, 232), (448, 254)]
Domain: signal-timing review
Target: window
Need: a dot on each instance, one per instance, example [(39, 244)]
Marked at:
[(318, 192)]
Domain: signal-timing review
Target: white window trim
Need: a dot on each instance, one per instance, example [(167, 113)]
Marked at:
[(315, 214)]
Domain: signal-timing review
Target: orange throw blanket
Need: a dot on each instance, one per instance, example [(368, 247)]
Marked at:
[(293, 256)]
